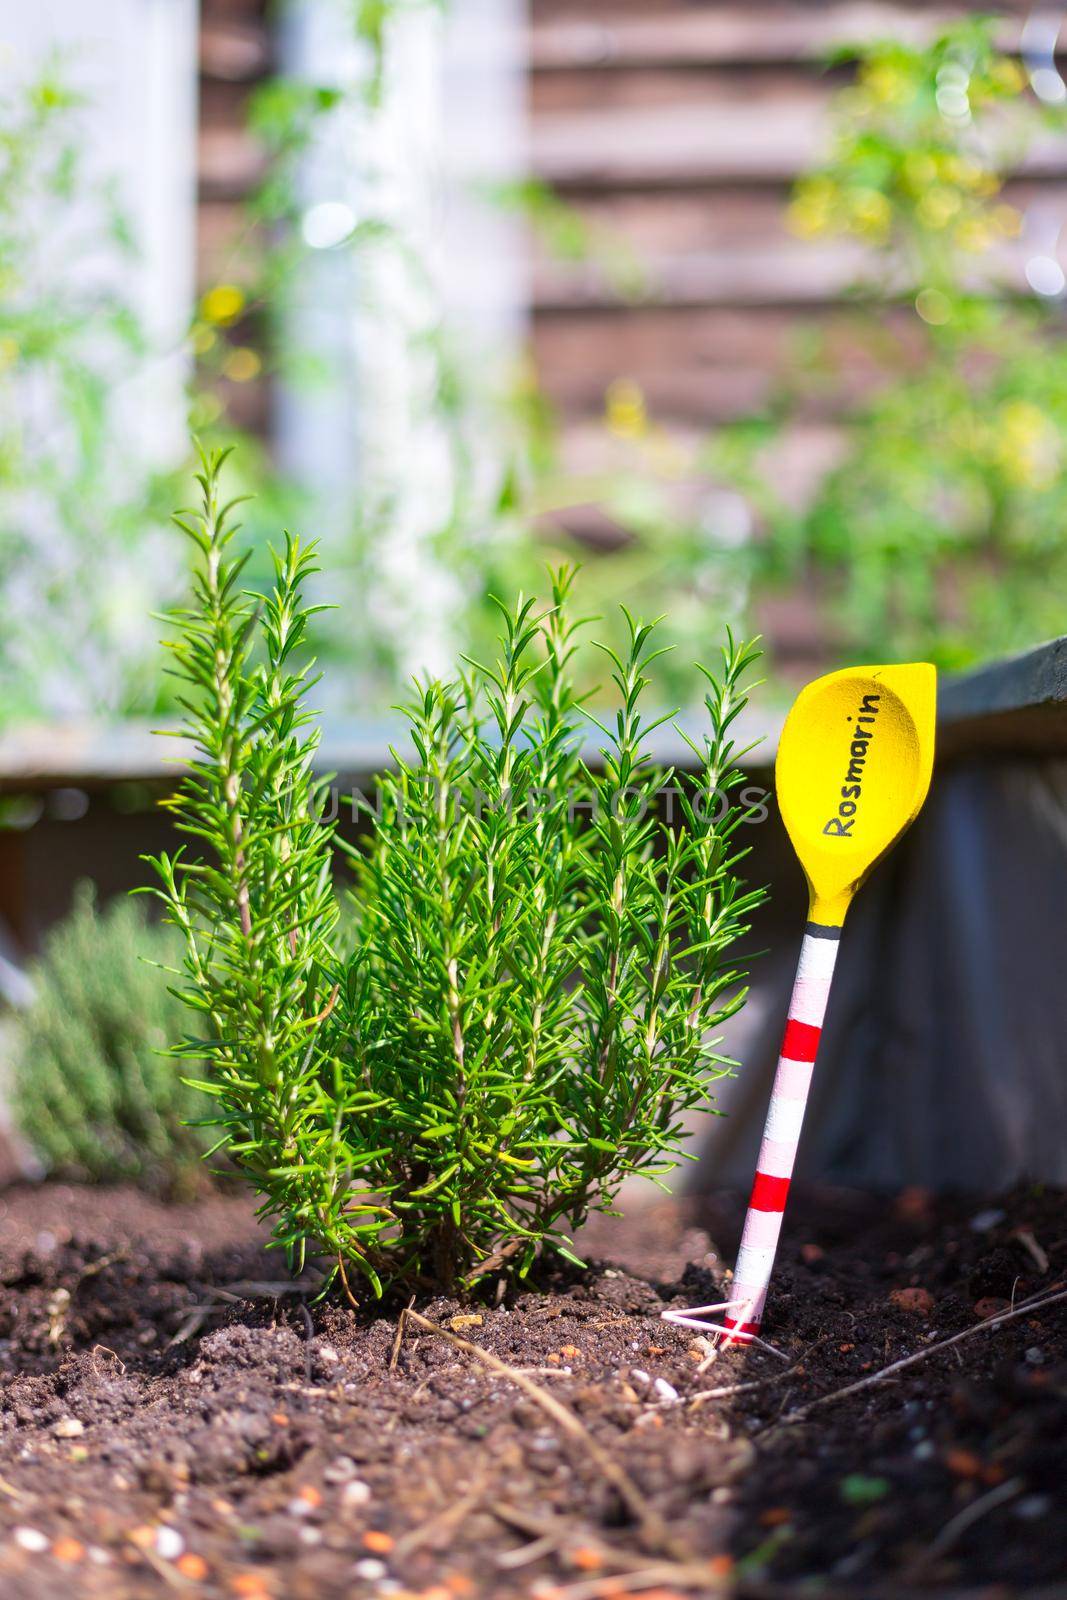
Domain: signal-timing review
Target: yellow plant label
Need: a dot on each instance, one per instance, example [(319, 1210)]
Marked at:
[(852, 773)]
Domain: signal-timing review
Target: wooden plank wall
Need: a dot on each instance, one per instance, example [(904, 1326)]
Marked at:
[(675, 128), (236, 54), (678, 126)]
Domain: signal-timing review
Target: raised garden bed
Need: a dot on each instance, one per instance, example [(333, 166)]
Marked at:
[(175, 1413), (177, 1418)]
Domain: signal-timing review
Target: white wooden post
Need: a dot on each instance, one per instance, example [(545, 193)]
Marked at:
[(136, 62), (449, 121)]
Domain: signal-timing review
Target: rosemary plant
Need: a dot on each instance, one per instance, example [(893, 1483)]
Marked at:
[(541, 952), (91, 1087)]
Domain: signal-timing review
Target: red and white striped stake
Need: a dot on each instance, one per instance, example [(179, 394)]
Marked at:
[(742, 1314), (853, 770)]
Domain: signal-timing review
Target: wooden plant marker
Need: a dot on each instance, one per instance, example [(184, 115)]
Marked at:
[(853, 770)]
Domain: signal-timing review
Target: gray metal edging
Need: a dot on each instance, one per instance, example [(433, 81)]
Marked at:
[(1016, 705)]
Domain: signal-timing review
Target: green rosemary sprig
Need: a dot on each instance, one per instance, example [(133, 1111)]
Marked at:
[(257, 908)]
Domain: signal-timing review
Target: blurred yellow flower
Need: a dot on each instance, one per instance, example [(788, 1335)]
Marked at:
[(975, 233), (1027, 445), (242, 365), (1022, 418), (919, 171), (871, 213), (222, 303), (938, 206), (1008, 76), (811, 210), (884, 82), (624, 409), (9, 351), (969, 175), (952, 167), (807, 220), (203, 338)]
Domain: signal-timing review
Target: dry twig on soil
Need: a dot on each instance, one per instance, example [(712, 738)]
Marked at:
[(652, 1525), (1026, 1308), (626, 1569), (957, 1527), (726, 1391), (446, 1522)]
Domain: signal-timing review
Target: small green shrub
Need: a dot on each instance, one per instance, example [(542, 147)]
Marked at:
[(94, 1091), (540, 959)]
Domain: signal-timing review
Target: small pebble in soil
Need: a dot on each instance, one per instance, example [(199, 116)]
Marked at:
[(912, 1204), (377, 1540), (31, 1539), (169, 1543), (369, 1570), (1032, 1507), (356, 1493), (68, 1428), (921, 1301), (984, 1221), (343, 1470)]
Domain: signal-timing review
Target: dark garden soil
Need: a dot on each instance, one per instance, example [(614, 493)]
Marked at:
[(175, 1418)]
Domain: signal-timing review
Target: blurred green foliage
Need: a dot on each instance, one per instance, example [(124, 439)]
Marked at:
[(936, 530), (939, 531), (93, 1089), (83, 552), (505, 497)]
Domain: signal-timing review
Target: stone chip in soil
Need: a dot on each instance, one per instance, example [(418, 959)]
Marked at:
[(174, 1416)]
